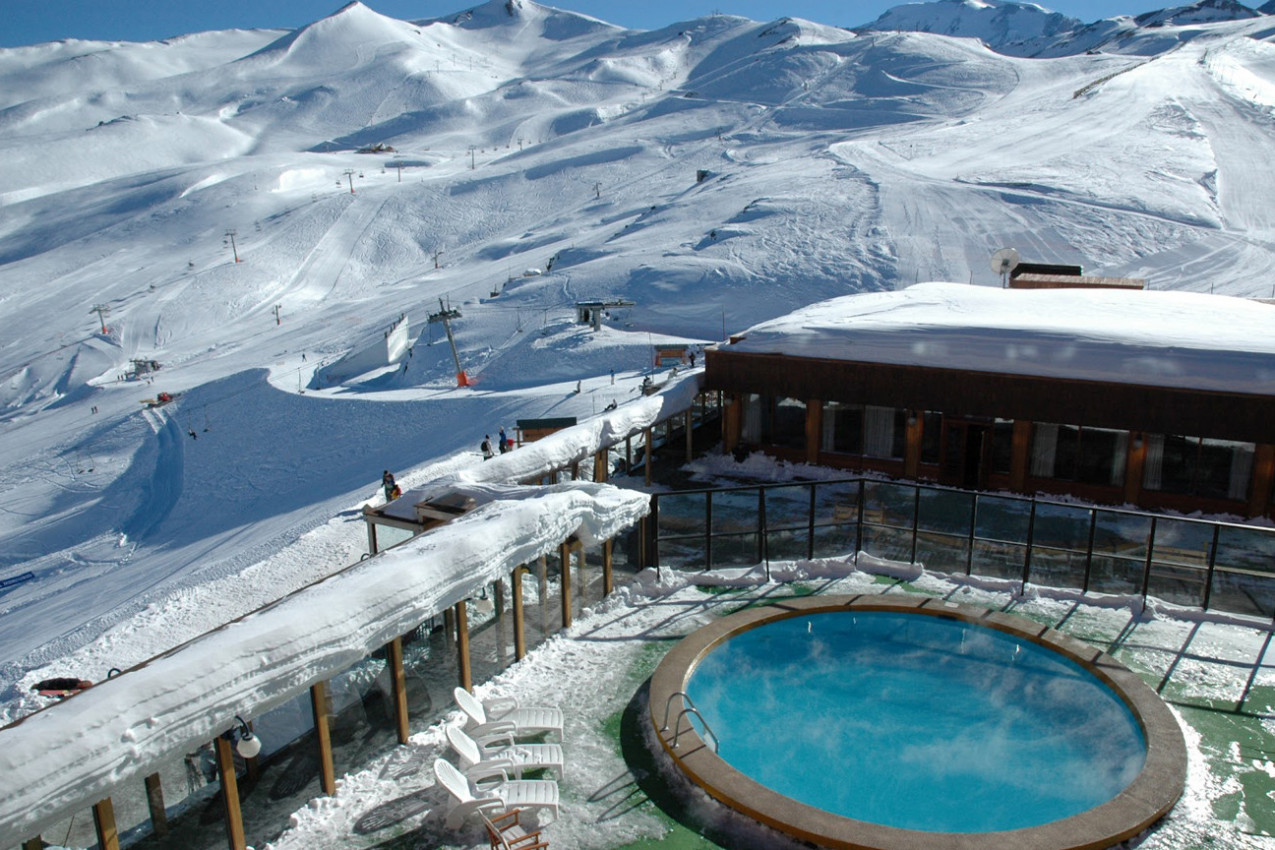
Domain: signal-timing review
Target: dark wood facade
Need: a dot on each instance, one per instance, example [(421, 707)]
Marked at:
[(970, 402)]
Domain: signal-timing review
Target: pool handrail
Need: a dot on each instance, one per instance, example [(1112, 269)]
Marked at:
[(689, 708)]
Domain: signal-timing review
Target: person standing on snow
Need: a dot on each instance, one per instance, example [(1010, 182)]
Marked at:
[(387, 482), (504, 441), (488, 454)]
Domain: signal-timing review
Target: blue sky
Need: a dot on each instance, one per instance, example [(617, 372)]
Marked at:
[(33, 21)]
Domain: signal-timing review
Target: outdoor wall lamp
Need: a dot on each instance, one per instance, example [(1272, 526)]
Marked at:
[(249, 745)]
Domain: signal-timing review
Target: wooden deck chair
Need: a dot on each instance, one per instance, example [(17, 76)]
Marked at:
[(507, 833), (467, 798), (504, 756), (501, 717)]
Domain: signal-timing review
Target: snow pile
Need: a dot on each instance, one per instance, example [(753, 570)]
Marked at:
[(1171, 339), (119, 729)]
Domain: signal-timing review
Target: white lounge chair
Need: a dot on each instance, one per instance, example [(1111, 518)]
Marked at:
[(512, 793), (500, 717), (508, 757)]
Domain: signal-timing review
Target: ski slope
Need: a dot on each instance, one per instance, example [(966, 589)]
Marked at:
[(718, 172)]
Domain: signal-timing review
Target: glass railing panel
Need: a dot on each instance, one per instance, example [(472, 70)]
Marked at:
[(946, 512), (1115, 574), (887, 504), (735, 550), (998, 559), (945, 553), (835, 541), (836, 503), (683, 514), (1244, 572), (1180, 561), (361, 713), (734, 511), (788, 506)]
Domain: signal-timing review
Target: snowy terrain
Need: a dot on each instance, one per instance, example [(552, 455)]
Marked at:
[(719, 173)]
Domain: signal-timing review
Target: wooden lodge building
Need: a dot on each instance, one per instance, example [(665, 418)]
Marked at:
[(1112, 394)]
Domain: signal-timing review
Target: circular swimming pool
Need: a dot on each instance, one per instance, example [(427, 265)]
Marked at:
[(880, 723)]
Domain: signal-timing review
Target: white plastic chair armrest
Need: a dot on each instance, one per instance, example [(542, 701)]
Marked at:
[(498, 707)]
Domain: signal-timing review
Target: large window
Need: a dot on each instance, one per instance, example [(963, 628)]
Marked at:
[(931, 437), (1198, 466), (866, 430), (774, 422), (1084, 455)]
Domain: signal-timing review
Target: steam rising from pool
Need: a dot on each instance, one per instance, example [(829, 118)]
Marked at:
[(916, 721)]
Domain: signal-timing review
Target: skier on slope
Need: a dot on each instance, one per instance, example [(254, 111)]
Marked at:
[(488, 454)]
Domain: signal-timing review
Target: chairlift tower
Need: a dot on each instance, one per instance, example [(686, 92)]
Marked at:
[(445, 315)]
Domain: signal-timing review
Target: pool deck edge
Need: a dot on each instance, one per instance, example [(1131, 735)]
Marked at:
[(1149, 797)]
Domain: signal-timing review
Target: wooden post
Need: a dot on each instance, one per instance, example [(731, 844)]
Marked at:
[(449, 625), (584, 582), (104, 822), (564, 552), (607, 579), (520, 633), (1263, 471), (647, 433), (155, 802), (498, 597), (323, 734), (690, 455), (600, 470), (575, 470), (462, 646), (398, 687), (543, 577), (230, 794), (814, 429), (371, 537)]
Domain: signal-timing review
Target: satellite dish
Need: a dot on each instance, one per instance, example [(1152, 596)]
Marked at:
[(1004, 261)]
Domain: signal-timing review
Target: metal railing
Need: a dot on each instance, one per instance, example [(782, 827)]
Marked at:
[(1200, 563), (688, 708)]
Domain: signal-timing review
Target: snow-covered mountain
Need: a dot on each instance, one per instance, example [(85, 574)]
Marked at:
[(717, 172), (1026, 29)]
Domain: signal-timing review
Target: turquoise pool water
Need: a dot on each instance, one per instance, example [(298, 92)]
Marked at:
[(916, 721)]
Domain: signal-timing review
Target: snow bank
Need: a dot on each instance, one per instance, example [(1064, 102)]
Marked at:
[(120, 729), (1172, 339)]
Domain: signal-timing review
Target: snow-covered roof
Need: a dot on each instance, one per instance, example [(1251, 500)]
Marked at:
[(1169, 339), (120, 728)]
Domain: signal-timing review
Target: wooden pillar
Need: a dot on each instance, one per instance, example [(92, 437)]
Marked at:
[(607, 578), (398, 687), (1259, 497), (814, 429), (371, 537), (498, 597), (913, 431), (575, 470), (462, 646), (564, 552), (230, 793), (601, 468), (520, 632), (731, 423), (155, 802), (449, 624), (1020, 455), (543, 586), (648, 456), (584, 582), (689, 442), (1134, 466), (104, 822), (323, 735)]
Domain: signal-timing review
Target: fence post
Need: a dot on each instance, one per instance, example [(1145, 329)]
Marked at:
[(520, 634), (564, 553), (708, 530), (398, 687), (1146, 569), (916, 517), (155, 803), (858, 526), (969, 551), (230, 794), (108, 838), (1208, 583), (1027, 555), (1093, 527), (810, 526), (462, 646), (608, 579), (319, 707)]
